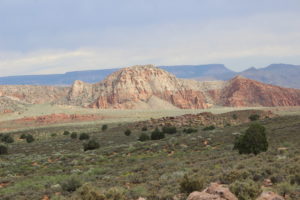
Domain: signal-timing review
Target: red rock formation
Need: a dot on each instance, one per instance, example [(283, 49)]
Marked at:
[(33, 94), (214, 192), (141, 87), (130, 86), (241, 92)]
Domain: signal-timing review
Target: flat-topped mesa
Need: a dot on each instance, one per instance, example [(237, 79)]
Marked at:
[(132, 86)]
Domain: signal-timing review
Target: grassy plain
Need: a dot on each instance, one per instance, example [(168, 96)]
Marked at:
[(152, 169)]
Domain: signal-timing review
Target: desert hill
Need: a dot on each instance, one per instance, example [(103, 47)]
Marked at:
[(148, 87)]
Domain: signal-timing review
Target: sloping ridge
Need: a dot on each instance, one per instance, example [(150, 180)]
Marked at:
[(241, 92)]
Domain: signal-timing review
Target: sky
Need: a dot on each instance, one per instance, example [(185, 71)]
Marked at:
[(56, 36)]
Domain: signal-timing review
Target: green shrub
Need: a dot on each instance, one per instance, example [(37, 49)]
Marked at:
[(104, 127), (29, 138), (285, 188), (7, 139), (245, 189), (53, 135), (115, 194), (66, 133), (91, 145), (209, 128), (234, 175), (144, 128), (127, 132), (169, 129), (73, 135), (144, 137), (90, 192), (234, 116), (295, 179), (23, 136), (3, 150), (253, 141), (189, 185), (189, 130), (71, 184), (84, 136), (157, 135), (254, 117)]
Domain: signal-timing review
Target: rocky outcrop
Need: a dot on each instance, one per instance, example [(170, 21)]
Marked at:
[(221, 192), (270, 196), (128, 87), (205, 119), (33, 94), (214, 192), (241, 92)]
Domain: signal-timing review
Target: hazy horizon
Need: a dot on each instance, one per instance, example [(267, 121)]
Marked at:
[(54, 37)]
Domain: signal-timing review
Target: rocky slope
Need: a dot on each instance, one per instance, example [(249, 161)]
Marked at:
[(33, 94), (148, 87), (131, 87), (241, 92)]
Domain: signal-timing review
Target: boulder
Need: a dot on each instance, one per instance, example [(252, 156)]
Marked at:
[(214, 192), (269, 196)]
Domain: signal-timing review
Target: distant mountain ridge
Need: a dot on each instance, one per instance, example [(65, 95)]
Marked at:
[(284, 75)]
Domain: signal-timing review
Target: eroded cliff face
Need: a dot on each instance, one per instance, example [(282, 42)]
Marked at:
[(33, 94), (131, 86), (241, 92)]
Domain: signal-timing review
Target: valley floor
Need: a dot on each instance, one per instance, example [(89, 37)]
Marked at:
[(129, 168)]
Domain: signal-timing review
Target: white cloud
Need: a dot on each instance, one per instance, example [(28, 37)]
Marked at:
[(238, 43)]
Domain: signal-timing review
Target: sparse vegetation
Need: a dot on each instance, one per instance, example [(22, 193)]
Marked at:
[(66, 133), (190, 130), (246, 189), (188, 184), (73, 135), (29, 138), (254, 117), (91, 145), (104, 127), (154, 169), (3, 149), (7, 139), (234, 116), (253, 141), (144, 128), (169, 129), (84, 136), (144, 137), (157, 134), (127, 132), (71, 184), (23, 136), (209, 128)]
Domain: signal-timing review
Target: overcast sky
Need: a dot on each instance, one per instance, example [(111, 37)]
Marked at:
[(55, 36)]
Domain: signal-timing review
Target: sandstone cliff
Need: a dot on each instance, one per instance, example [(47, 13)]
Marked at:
[(138, 86)]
